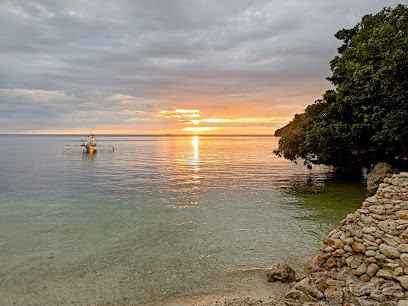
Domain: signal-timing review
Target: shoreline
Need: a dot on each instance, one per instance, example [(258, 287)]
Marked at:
[(364, 261)]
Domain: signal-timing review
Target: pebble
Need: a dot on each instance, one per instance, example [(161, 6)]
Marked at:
[(371, 244)]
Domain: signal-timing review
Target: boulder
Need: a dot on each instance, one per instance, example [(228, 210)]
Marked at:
[(281, 272), (377, 175)]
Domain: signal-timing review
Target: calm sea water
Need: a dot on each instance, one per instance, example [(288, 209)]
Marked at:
[(158, 216)]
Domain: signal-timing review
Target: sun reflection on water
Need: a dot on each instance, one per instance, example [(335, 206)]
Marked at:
[(195, 161)]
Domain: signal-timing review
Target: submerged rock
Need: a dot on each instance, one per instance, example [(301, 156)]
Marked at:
[(281, 272)]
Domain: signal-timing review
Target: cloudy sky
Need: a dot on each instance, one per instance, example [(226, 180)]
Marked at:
[(166, 66)]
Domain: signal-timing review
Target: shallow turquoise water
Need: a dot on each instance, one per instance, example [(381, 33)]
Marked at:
[(156, 217)]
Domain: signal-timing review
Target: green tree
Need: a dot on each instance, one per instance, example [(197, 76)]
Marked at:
[(365, 119)]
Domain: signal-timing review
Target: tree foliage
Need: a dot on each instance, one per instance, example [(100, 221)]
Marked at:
[(365, 119)]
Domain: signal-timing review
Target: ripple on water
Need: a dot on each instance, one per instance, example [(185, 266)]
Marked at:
[(156, 217)]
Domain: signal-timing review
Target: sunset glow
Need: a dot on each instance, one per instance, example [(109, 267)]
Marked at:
[(198, 129), (140, 67)]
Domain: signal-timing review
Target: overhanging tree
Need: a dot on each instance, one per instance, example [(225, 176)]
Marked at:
[(365, 119)]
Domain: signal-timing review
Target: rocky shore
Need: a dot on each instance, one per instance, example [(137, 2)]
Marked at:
[(365, 260)]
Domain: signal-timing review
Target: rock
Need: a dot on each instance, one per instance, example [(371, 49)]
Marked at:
[(377, 209), (403, 281), (348, 248), (370, 253), (368, 230), (391, 265), (355, 262), (404, 258), (332, 262), (339, 244), (370, 260), (402, 214), (358, 247), (372, 269), (391, 241), (334, 295), (381, 298), (403, 303), (364, 278), (281, 272), (363, 301), (385, 274), (381, 257), (398, 271), (393, 291), (377, 175), (305, 286), (389, 251), (388, 303), (372, 199), (300, 296), (328, 241), (349, 240), (321, 284), (335, 282), (403, 248), (388, 226), (360, 270), (338, 252)]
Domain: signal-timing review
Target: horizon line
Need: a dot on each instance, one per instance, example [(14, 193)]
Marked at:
[(145, 135)]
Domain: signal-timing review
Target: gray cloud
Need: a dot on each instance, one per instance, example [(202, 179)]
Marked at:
[(77, 55)]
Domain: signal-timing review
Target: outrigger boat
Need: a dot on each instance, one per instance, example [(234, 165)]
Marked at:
[(89, 142)]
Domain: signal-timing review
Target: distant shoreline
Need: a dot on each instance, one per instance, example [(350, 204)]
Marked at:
[(147, 135)]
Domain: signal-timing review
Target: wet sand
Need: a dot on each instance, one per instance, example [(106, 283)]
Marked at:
[(240, 287)]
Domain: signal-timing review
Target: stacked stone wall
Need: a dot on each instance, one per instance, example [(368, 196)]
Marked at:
[(365, 260)]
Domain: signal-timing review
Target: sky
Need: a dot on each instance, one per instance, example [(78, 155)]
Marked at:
[(166, 66)]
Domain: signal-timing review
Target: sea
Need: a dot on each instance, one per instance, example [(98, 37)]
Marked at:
[(157, 217)]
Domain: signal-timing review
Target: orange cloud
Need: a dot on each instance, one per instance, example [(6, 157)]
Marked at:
[(178, 113)]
